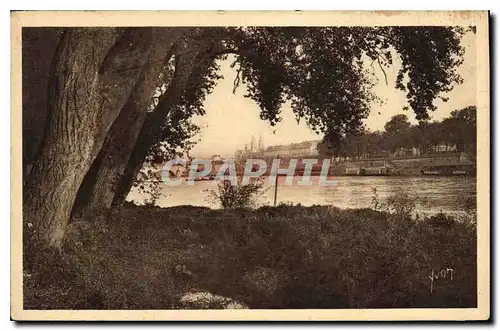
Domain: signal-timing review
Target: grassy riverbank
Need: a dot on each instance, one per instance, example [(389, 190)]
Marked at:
[(282, 257)]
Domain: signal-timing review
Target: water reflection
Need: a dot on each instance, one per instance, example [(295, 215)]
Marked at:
[(432, 194)]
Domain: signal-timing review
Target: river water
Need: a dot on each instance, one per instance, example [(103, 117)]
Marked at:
[(431, 194)]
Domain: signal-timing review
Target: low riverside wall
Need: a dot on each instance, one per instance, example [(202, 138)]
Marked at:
[(409, 165), (412, 165)]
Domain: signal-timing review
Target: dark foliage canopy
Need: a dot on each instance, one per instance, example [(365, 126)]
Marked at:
[(322, 71)]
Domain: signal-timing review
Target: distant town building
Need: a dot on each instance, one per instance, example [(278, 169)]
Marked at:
[(217, 158), (261, 144), (295, 150), (401, 151), (415, 151), (445, 148)]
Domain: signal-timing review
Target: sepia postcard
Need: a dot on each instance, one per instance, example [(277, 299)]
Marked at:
[(250, 166)]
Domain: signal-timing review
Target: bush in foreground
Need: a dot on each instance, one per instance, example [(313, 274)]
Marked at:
[(231, 196)]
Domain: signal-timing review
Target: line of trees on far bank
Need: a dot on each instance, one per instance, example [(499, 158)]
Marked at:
[(454, 133)]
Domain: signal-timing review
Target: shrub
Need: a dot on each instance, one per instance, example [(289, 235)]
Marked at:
[(401, 204), (149, 184), (230, 196)]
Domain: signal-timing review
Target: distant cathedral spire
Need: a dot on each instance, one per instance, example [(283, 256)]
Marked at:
[(253, 145), (261, 144)]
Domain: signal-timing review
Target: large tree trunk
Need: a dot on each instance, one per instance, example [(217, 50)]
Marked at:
[(98, 188), (93, 73), (153, 124)]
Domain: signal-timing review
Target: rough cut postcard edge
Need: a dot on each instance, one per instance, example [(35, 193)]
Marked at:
[(268, 18)]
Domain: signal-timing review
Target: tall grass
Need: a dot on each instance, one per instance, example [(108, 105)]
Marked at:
[(272, 257)]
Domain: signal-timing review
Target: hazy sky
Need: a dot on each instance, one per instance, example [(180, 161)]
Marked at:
[(231, 119)]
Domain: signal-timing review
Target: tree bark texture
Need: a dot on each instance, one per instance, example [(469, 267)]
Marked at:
[(93, 73), (153, 123), (98, 189)]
